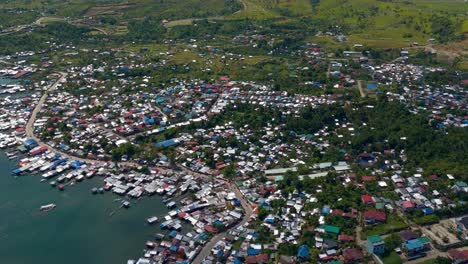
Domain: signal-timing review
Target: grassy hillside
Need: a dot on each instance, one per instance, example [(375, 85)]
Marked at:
[(377, 23), (372, 22), (125, 9)]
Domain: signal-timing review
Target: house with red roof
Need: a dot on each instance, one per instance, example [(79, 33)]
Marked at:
[(337, 212), (353, 255), (345, 238), (259, 259), (458, 256), (368, 178), (367, 199), (408, 205), (211, 229), (374, 216)]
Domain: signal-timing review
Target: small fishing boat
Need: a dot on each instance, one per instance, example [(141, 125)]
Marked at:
[(48, 207), (126, 204), (152, 220)]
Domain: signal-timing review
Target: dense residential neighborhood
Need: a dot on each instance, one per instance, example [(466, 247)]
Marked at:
[(239, 142), (238, 191)]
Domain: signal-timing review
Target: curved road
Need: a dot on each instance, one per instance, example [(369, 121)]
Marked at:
[(206, 250), (29, 126)]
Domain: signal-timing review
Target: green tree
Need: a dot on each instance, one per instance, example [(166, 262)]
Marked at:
[(392, 241)]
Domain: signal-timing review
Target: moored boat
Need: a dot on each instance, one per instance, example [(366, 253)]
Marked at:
[(152, 220), (48, 207)]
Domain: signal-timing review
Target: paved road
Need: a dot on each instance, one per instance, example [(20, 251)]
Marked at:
[(19, 28), (206, 250), (361, 89), (32, 119), (37, 109)]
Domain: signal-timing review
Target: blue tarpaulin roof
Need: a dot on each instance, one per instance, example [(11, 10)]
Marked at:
[(253, 251), (173, 234), (76, 164), (174, 248), (30, 142), (303, 251), (167, 143)]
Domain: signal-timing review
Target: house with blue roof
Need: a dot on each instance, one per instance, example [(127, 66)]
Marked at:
[(375, 245), (270, 219), (253, 251), (416, 248), (427, 211), (326, 210), (30, 143), (167, 143), (303, 252)]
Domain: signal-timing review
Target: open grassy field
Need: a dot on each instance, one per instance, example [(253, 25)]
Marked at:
[(392, 258), (379, 23), (374, 23), (394, 223), (370, 22)]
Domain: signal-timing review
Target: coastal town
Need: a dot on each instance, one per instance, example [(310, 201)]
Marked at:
[(236, 190), (262, 146)]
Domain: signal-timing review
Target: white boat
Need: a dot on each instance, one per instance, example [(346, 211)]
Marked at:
[(48, 174), (152, 220), (46, 166), (70, 176), (61, 178), (48, 207)]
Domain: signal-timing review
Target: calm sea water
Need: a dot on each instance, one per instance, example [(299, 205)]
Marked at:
[(78, 231)]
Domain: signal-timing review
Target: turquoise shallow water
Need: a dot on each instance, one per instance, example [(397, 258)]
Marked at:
[(78, 231)]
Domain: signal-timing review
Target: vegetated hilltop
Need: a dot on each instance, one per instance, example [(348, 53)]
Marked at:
[(334, 24), (25, 11), (378, 22)]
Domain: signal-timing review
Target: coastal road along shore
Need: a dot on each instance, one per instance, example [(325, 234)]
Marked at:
[(32, 119), (209, 246), (37, 109)]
